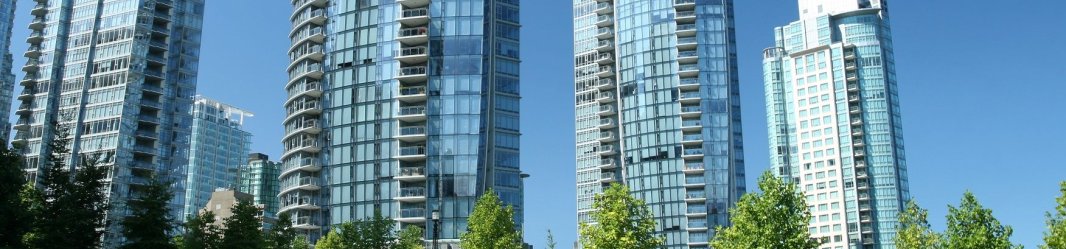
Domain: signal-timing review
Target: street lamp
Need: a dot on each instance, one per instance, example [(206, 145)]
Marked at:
[(436, 227)]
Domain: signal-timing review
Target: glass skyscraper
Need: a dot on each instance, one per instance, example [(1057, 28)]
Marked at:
[(259, 178), (834, 120), (658, 109), (120, 76), (408, 108), (219, 147), (7, 79)]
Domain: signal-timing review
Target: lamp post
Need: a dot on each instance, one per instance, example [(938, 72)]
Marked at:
[(436, 227)]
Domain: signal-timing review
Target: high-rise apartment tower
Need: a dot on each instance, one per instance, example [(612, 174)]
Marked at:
[(7, 78), (658, 109), (834, 120), (219, 147)]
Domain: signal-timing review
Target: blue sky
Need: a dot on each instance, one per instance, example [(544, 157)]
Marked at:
[(981, 86)]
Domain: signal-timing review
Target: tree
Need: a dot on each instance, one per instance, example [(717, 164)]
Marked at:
[(72, 205), (14, 211), (971, 226), (1055, 237), (332, 240), (776, 218), (410, 238), (300, 242), (282, 235), (491, 225), (148, 226), (243, 227), (551, 240), (621, 221), (914, 231), (201, 232)]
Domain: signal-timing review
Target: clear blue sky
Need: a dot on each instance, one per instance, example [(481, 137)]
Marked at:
[(981, 86)]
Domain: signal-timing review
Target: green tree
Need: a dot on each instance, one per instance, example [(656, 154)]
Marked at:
[(410, 238), (300, 242), (14, 211), (914, 231), (282, 235), (150, 223), (201, 232), (776, 218), (971, 226), (72, 205), (491, 225), (243, 227), (1055, 237), (551, 240), (622, 221), (332, 240)]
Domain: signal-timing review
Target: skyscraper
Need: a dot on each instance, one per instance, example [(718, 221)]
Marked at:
[(658, 109), (7, 78), (259, 178), (834, 120), (120, 76), (407, 108), (219, 147)]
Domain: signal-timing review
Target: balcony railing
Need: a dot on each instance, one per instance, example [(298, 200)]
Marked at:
[(692, 137), (413, 51), (690, 108), (690, 123), (412, 171), (690, 81), (413, 32), (413, 213), (696, 195), (690, 95), (689, 67), (693, 151), (415, 12), (412, 110), (412, 90), (415, 70), (687, 54), (694, 166), (686, 40), (412, 130), (412, 192), (697, 209), (412, 150), (690, 27)]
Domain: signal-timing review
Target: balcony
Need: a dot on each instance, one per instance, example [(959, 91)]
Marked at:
[(31, 66), (684, 4), (604, 8), (153, 104), (607, 137), (687, 56), (856, 121), (314, 53), (33, 52), (305, 223), (605, 45), (412, 74), (307, 144), (144, 149), (408, 174), (605, 84), (148, 118), (606, 110), (608, 177), (316, 34), (152, 89), (412, 215), (316, 16), (413, 55), (606, 150), (309, 88), (690, 97), (35, 37), (306, 126), (412, 94), (413, 36), (854, 110), (22, 125), (858, 143), (691, 111), (608, 163), (850, 66), (605, 58), (692, 152), (412, 194), (849, 55), (695, 196), (693, 139), (604, 20), (413, 3), (25, 96), (852, 77), (301, 203), (605, 71), (853, 98), (412, 134), (687, 16), (693, 124), (861, 174), (412, 113), (696, 209), (37, 23), (604, 33), (856, 132), (697, 225), (24, 109), (693, 167), (860, 153), (40, 9), (607, 123), (687, 43), (860, 164), (303, 107), (309, 183), (695, 181), (686, 30), (306, 164), (414, 17), (605, 97), (412, 153), (692, 83), (688, 70), (148, 134)]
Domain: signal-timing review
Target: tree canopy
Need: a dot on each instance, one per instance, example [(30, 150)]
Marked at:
[(776, 218), (972, 226), (621, 221), (491, 226)]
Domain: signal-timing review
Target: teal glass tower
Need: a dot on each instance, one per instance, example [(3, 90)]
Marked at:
[(407, 108), (259, 178), (658, 109), (834, 120), (120, 77), (7, 78), (219, 146)]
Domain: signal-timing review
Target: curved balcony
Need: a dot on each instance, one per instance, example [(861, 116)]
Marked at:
[(33, 52), (22, 125), (305, 107), (604, 20), (25, 96), (24, 109), (412, 215), (412, 153), (313, 53), (299, 5), (302, 203), (414, 17), (607, 123), (40, 9), (608, 163), (412, 94), (413, 55), (413, 36), (604, 45), (605, 84), (37, 23), (305, 223), (309, 89), (606, 150), (605, 97), (307, 126), (608, 177), (684, 4), (606, 110), (313, 16), (412, 113), (413, 3), (301, 36), (35, 37), (604, 33), (411, 174), (607, 137), (302, 164), (311, 71), (411, 194), (412, 74), (31, 66), (412, 134), (604, 8), (605, 58), (309, 183), (605, 71)]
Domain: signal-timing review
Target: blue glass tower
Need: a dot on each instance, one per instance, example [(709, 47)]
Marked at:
[(120, 77), (218, 148), (7, 78), (834, 120), (658, 109), (407, 108)]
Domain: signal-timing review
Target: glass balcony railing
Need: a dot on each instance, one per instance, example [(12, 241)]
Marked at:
[(419, 31), (686, 40), (605, 43), (412, 130), (419, 12), (690, 123), (415, 70), (412, 90), (690, 108), (681, 14), (692, 137), (693, 151), (694, 166), (604, 31), (697, 209), (412, 150), (413, 213), (690, 95), (689, 67), (412, 110), (689, 53), (686, 27), (680, 2), (412, 51), (413, 192), (696, 194), (697, 237), (697, 224), (690, 81), (412, 171)]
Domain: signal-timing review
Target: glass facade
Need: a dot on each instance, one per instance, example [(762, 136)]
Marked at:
[(834, 120), (7, 79), (405, 108), (658, 109), (219, 146), (120, 76), (259, 178)]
